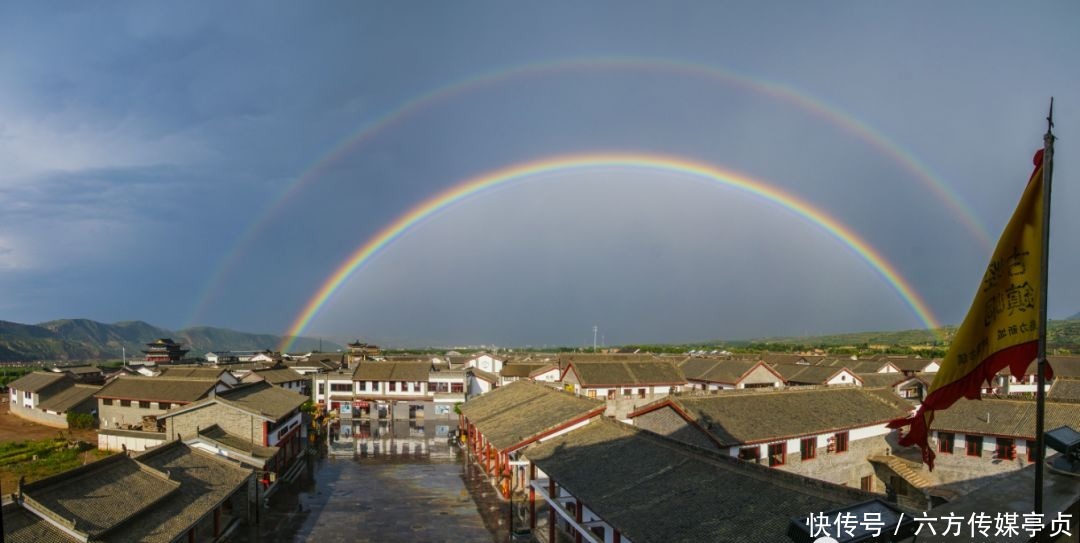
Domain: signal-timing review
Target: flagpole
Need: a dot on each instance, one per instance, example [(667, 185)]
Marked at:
[(1040, 390)]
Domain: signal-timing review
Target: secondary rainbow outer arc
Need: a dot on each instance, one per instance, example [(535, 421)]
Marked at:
[(422, 101), (472, 186)]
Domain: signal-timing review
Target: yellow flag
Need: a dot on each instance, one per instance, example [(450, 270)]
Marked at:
[(1002, 327)]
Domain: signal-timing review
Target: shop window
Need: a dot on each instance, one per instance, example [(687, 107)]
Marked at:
[(808, 448), (750, 454), (841, 442), (974, 445), (777, 454), (1006, 449), (946, 441)]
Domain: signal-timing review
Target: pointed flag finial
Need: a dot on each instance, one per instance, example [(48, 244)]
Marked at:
[(1050, 117)]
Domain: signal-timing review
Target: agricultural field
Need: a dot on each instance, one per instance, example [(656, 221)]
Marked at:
[(35, 451)]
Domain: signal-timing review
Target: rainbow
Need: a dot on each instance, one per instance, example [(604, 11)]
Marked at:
[(410, 107), (614, 161)]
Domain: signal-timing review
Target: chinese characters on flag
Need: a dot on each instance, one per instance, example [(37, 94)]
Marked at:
[(1001, 328)]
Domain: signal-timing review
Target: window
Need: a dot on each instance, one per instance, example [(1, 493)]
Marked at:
[(125, 403), (777, 454), (974, 445), (27, 394), (164, 405), (591, 392), (322, 389), (808, 448), (867, 483), (340, 387), (641, 393), (417, 387), (627, 393), (611, 394), (1006, 449), (361, 386), (946, 441), (457, 388), (393, 386), (373, 385), (841, 442), (144, 404), (106, 401), (750, 454)]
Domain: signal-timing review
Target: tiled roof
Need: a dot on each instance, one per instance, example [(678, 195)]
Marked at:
[(785, 358), (485, 375), (857, 366), (910, 364), (98, 497), (882, 379), (22, 526), (217, 435), (392, 371), (205, 481), (574, 358), (1004, 417), (80, 370), (37, 380), (811, 375), (654, 489), (156, 389), (278, 376), (519, 369), (716, 371), (263, 398), (69, 398), (1065, 389), (524, 410), (735, 418), (193, 373), (1064, 366), (627, 373)]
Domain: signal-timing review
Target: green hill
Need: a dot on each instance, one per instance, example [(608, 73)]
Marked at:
[(84, 339)]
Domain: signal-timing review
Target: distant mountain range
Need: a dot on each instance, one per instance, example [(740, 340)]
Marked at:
[(84, 339)]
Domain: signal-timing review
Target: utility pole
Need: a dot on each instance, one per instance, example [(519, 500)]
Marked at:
[(594, 330)]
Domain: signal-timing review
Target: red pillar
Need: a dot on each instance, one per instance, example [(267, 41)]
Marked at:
[(577, 515), (532, 496), (552, 504)]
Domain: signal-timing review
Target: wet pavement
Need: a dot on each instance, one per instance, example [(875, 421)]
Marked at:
[(384, 482)]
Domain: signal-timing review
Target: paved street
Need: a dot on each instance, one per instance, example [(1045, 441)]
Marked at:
[(379, 498)]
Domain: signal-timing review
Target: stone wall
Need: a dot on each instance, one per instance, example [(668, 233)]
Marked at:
[(39, 416), (119, 416), (232, 420), (958, 466)]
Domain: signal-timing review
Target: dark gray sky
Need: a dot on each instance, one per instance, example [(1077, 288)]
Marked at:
[(146, 148)]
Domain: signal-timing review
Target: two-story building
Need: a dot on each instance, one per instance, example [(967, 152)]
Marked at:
[(257, 424), (624, 385), (608, 482), (800, 375), (128, 408), (47, 398), (990, 436), (712, 374), (498, 425), (827, 433)]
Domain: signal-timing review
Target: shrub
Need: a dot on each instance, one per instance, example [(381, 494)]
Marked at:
[(80, 421)]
